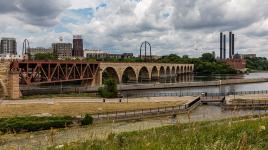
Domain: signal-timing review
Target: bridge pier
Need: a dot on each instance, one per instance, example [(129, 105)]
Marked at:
[(13, 86)]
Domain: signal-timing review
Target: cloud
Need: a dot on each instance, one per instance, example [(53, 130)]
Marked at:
[(218, 14), (34, 12), (171, 26)]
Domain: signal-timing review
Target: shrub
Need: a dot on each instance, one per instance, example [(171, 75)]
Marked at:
[(28, 124), (87, 120)]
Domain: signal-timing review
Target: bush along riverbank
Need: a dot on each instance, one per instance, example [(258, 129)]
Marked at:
[(32, 123), (227, 135)]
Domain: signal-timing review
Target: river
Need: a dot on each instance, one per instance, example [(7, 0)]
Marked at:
[(213, 89)]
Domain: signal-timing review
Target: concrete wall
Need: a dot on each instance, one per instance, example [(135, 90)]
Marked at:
[(9, 81), (4, 71)]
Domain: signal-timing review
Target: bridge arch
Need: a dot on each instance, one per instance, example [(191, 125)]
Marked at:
[(168, 74), (191, 69), (173, 74), (129, 75), (185, 69), (143, 75), (178, 71), (182, 69), (162, 74), (155, 74), (110, 72)]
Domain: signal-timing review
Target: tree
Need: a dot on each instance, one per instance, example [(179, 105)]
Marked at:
[(109, 90), (45, 56), (185, 56), (258, 63), (208, 57)]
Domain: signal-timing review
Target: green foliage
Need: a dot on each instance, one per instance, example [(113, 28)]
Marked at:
[(227, 135), (87, 120), (28, 124), (122, 59), (208, 57), (204, 65), (258, 63), (185, 56), (45, 56), (90, 60), (109, 90)]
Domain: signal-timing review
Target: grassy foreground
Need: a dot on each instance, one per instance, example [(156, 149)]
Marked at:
[(230, 135)]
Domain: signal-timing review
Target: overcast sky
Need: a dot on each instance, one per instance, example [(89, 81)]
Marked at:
[(171, 26)]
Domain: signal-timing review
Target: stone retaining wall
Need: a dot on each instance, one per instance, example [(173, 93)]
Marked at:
[(4, 71)]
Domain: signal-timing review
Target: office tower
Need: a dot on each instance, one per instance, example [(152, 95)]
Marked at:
[(8, 46)]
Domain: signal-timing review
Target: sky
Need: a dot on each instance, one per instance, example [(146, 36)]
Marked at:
[(183, 27)]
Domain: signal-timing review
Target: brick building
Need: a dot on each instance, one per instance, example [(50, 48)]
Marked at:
[(78, 48)]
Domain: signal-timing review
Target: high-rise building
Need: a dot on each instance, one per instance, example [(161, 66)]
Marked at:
[(62, 50), (78, 46), (8, 46)]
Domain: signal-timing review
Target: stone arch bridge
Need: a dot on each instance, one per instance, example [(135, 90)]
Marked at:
[(142, 72), (17, 74)]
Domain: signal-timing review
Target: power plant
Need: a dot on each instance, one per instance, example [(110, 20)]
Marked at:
[(223, 46)]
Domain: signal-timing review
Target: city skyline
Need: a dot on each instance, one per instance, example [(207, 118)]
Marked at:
[(180, 27)]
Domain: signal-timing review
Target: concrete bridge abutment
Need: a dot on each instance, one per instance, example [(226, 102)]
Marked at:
[(9, 81)]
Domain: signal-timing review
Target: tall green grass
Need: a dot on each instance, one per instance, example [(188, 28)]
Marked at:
[(222, 135)]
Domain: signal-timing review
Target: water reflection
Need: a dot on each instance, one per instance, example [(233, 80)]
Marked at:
[(224, 77), (197, 78)]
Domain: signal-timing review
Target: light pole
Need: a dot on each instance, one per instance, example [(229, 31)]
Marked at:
[(234, 94)]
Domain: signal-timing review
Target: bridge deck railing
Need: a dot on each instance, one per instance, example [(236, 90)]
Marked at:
[(181, 94)]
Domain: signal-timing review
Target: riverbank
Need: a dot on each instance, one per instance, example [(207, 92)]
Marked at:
[(45, 139)]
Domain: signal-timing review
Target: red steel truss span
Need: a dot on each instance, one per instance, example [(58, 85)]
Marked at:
[(39, 72)]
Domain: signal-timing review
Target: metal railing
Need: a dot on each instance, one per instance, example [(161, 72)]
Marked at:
[(141, 113), (180, 94)]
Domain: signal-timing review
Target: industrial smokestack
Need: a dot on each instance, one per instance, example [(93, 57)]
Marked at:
[(233, 44), (224, 47), (230, 45), (221, 45)]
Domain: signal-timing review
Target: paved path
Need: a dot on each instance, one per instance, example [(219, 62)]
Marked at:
[(247, 97)]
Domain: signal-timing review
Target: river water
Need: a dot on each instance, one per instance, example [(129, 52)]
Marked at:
[(213, 89)]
